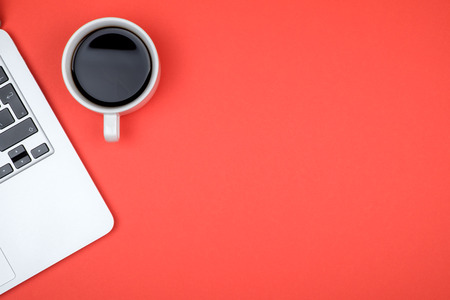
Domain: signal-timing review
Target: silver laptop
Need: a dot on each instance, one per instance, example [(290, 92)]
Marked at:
[(49, 206)]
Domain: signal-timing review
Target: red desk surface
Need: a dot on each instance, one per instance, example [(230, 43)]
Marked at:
[(293, 150)]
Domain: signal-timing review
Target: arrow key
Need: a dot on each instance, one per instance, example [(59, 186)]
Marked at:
[(5, 170), (39, 150), (19, 156)]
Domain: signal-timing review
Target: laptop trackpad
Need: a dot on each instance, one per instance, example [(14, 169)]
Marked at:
[(6, 272)]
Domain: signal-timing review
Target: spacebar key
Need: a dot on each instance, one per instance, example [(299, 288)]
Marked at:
[(17, 133)]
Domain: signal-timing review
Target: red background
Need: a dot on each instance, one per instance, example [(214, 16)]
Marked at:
[(293, 150)]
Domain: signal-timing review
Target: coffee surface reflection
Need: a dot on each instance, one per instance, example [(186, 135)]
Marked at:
[(111, 67)]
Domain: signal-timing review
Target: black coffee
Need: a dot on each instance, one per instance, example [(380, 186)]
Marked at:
[(111, 67)]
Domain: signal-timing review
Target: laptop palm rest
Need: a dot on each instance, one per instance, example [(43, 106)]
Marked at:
[(6, 272)]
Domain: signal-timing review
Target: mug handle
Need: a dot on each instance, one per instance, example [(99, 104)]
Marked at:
[(111, 127)]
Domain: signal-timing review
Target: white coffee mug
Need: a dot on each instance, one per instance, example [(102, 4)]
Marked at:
[(111, 114)]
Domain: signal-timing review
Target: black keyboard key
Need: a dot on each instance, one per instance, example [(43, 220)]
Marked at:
[(6, 118), (39, 150), (5, 170), (17, 133), (3, 77), (9, 96), (17, 153), (19, 156), (22, 162)]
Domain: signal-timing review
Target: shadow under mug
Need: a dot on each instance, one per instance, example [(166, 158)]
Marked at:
[(111, 123)]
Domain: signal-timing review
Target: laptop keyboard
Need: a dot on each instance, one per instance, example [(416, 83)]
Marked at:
[(22, 141)]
